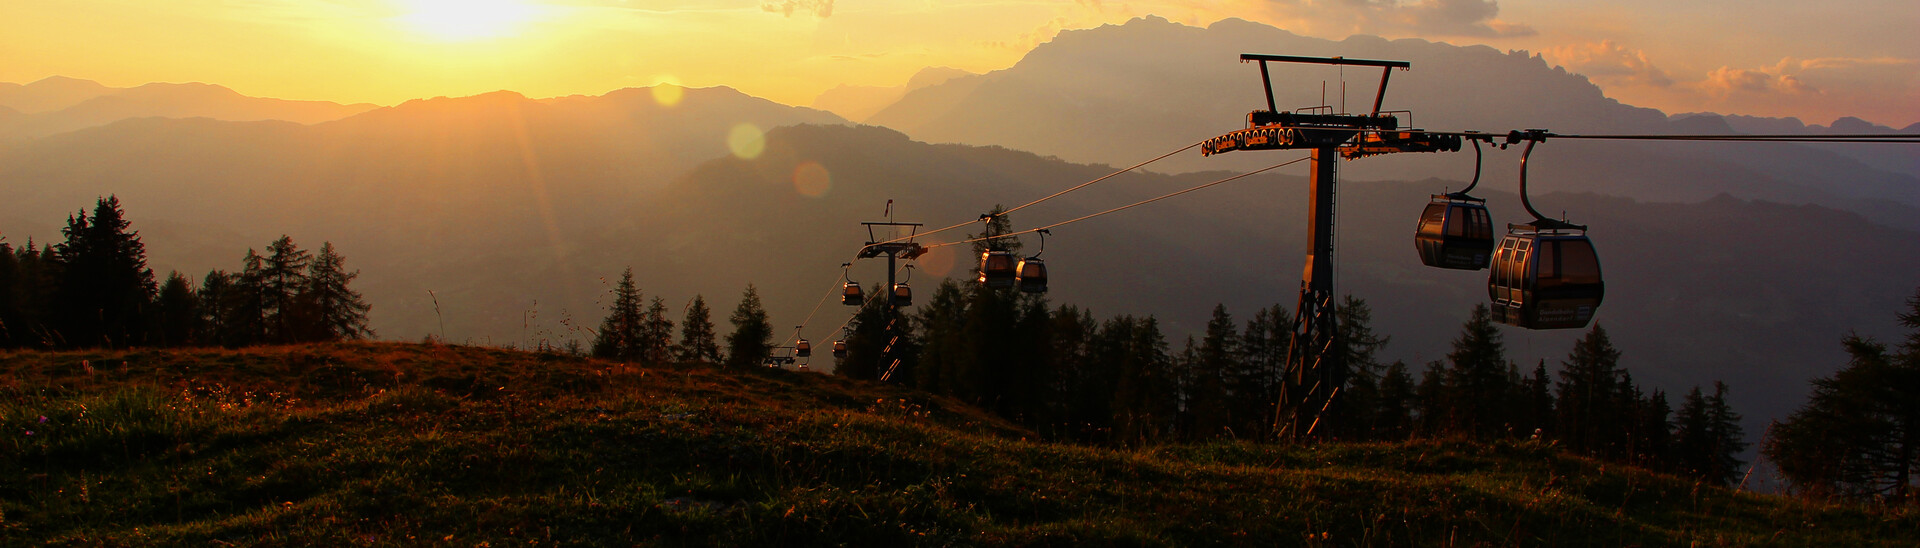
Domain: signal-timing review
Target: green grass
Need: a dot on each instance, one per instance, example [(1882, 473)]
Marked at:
[(399, 444)]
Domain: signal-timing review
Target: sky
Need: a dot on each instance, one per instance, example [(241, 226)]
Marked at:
[(1813, 60)]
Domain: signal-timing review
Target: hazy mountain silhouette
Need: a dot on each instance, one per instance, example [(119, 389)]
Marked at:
[(1897, 158), (858, 103), (1122, 94), (50, 94), (102, 105)]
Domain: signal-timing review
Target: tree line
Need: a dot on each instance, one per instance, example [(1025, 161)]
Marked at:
[(1070, 376), (94, 290), (1858, 435)]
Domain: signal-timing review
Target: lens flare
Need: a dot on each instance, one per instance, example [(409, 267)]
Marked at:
[(747, 141), (667, 91), (811, 179), (938, 261)]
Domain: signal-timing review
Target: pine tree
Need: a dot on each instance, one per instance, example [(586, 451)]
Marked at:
[(104, 281), (1536, 415), (1144, 403), (697, 342), (331, 310), (282, 279), (1589, 394), (1083, 388), (177, 313), (752, 338), (1353, 415), (870, 333), (1478, 383), (1212, 363), (1394, 409), (621, 332), (942, 356), (1434, 400), (656, 334), (217, 296), (1707, 437), (10, 317), (1256, 379)]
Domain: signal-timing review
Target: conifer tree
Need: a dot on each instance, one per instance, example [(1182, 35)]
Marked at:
[(1589, 394), (9, 288), (943, 352), (1859, 433), (867, 340), (1082, 386), (752, 338), (177, 312), (621, 331), (217, 297), (1144, 406), (331, 310), (697, 342), (1478, 383), (1434, 400), (104, 281), (1707, 437), (1353, 408), (1256, 380), (1208, 371), (656, 334), (1394, 411), (282, 279)]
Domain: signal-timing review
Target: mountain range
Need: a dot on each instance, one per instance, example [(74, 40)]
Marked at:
[(1121, 94), (502, 219), (58, 105)]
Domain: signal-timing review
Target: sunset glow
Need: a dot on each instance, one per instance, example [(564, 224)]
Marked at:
[(463, 20)]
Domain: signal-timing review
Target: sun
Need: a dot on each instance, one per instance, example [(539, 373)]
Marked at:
[(466, 20)]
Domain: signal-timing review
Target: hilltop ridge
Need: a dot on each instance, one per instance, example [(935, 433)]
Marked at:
[(390, 443)]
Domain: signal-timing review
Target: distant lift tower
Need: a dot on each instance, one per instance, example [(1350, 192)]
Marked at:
[(895, 249), (1313, 372)]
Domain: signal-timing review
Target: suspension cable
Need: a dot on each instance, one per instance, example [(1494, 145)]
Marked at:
[(1128, 206), (985, 218)]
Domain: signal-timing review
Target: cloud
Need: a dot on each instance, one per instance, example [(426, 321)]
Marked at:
[(1610, 64), (1472, 18), (1726, 81), (1028, 40), (820, 8)]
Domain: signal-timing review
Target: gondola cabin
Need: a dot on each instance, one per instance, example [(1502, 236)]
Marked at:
[(902, 295), (1032, 275), (1455, 232), (802, 349), (840, 348), (998, 269), (1545, 279), (852, 295)]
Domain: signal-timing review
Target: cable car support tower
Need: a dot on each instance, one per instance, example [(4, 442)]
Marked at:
[(895, 249), (1313, 373)]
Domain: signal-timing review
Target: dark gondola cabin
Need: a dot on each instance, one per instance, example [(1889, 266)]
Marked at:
[(852, 295), (840, 348), (1545, 278), (1033, 275), (802, 349), (1455, 232), (998, 269), (902, 295)]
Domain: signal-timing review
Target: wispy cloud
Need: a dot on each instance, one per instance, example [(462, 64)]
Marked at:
[(1610, 64), (1463, 18)]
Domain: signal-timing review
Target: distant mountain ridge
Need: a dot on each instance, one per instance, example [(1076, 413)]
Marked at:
[(58, 105)]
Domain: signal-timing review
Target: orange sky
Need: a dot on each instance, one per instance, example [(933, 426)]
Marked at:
[(1816, 61)]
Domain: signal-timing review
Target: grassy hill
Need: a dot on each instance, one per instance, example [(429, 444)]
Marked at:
[(386, 443)]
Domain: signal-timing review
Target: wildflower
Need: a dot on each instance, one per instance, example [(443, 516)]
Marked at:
[(29, 432), (43, 419)]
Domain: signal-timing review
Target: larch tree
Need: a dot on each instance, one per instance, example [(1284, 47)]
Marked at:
[(282, 279), (1858, 435), (333, 311)]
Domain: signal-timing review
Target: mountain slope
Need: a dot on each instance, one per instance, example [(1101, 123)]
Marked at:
[(1122, 94), (412, 444)]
